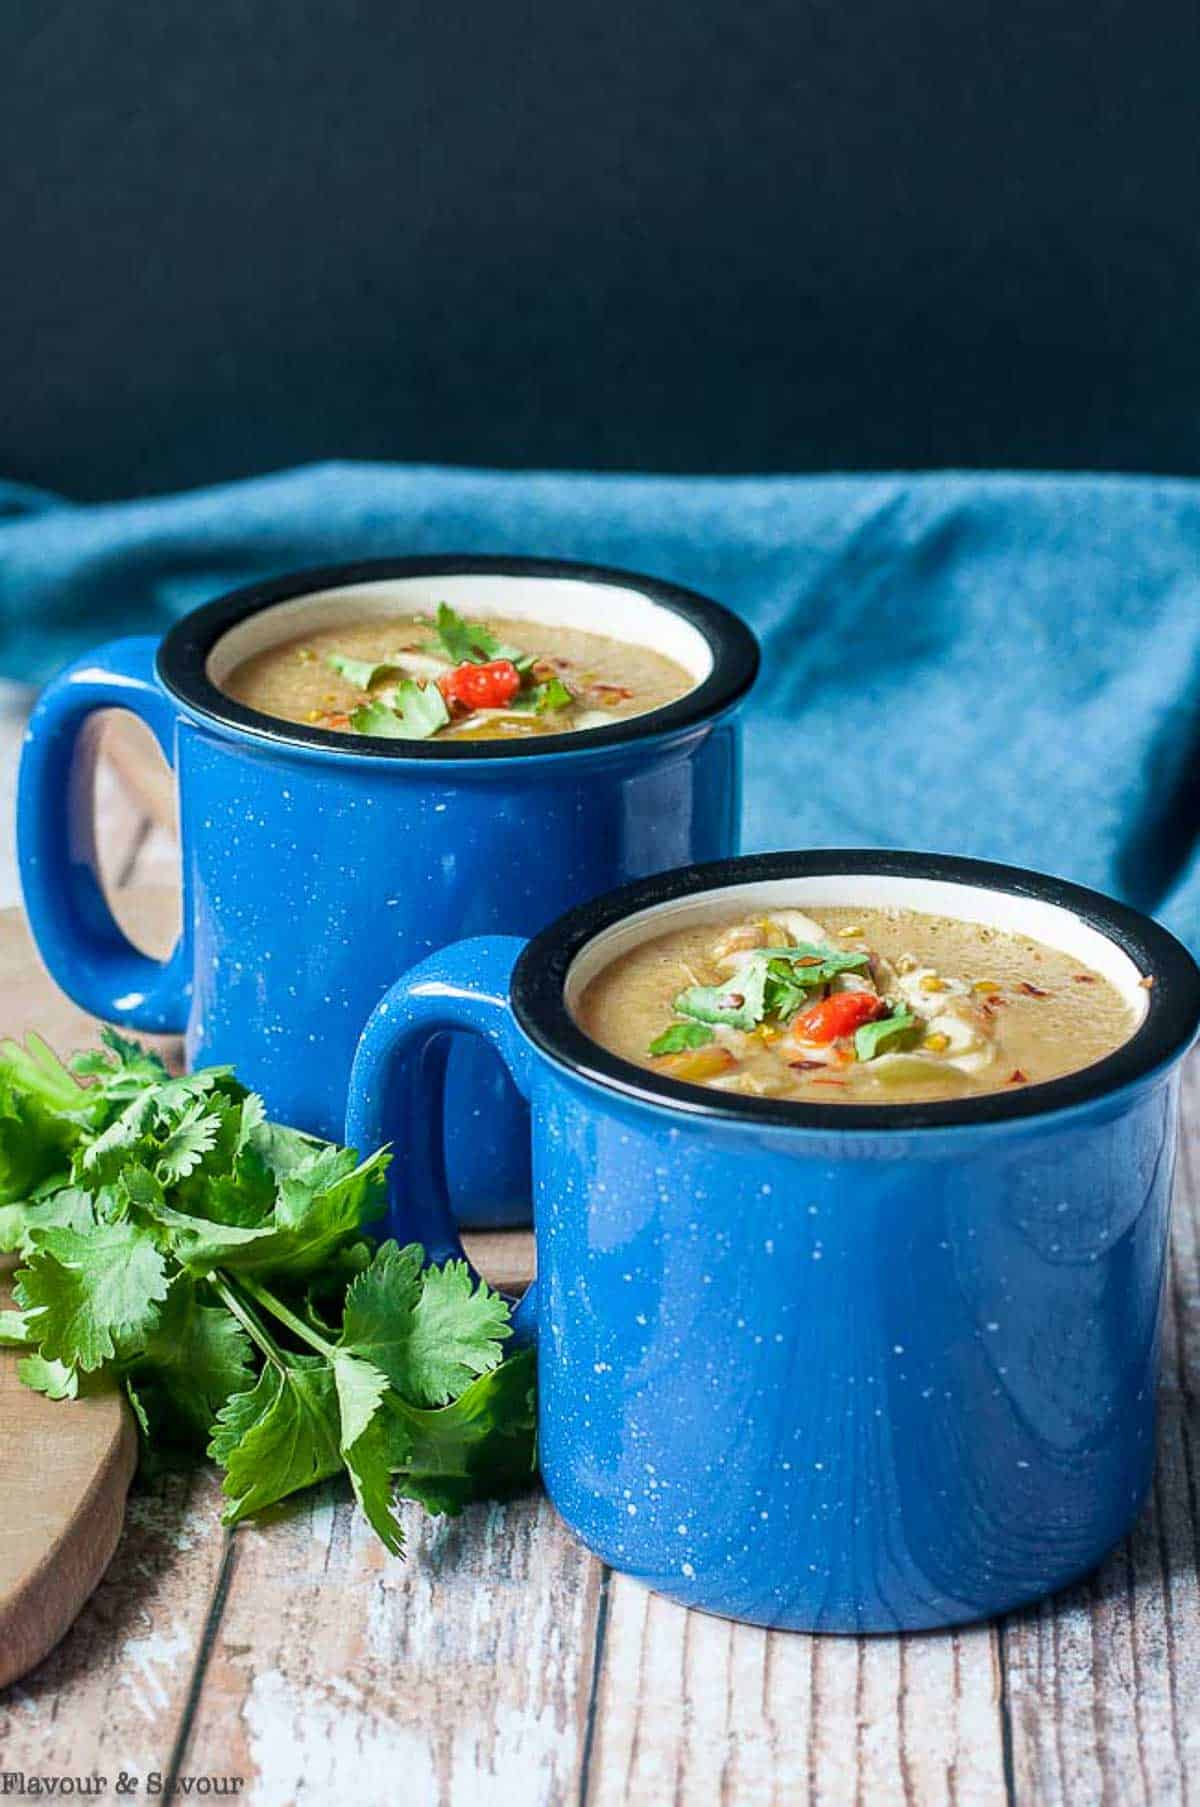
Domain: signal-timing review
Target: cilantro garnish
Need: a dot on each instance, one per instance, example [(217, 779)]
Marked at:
[(770, 982), (470, 643), (415, 712), (216, 1266), (680, 1036), (364, 673), (874, 1038), (544, 698), (738, 1003)]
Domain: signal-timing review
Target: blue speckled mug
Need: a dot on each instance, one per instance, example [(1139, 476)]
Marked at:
[(315, 866), (829, 1367)]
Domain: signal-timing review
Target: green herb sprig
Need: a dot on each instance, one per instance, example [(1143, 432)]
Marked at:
[(771, 982), (470, 643), (415, 712), (215, 1265)]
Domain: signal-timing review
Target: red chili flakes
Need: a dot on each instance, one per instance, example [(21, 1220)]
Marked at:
[(806, 1066), (1147, 982), (1032, 991), (809, 960), (830, 1082), (613, 692), (1084, 978), (1017, 1077)]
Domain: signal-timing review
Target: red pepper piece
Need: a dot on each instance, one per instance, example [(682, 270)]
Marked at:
[(490, 686), (839, 1014)]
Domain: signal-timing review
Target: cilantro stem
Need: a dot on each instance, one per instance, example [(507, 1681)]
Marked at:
[(279, 1310), (249, 1323)]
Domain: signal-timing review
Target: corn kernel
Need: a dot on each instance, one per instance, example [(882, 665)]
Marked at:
[(931, 982), (851, 928), (986, 987), (937, 1043)]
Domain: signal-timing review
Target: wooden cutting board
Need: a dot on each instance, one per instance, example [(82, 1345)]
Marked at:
[(65, 1468)]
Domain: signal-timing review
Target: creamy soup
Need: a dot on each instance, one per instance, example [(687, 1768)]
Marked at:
[(412, 677), (853, 1007)]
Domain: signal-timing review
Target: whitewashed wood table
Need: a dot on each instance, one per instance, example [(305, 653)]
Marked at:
[(501, 1663)]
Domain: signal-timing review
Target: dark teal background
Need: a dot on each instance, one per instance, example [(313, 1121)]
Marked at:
[(786, 236)]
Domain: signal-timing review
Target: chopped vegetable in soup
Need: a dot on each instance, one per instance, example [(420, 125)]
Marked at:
[(413, 677), (853, 1007)]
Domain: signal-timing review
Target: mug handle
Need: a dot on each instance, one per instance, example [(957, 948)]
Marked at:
[(86, 952), (397, 1084)]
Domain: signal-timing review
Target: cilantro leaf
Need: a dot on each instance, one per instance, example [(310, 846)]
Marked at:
[(55, 1379), (321, 1206), (380, 1303), (470, 643), (42, 1115), (197, 1356), (484, 1445), (544, 698), (680, 1036), (416, 712), (14, 1331), (459, 1329), (69, 1207), (871, 1039), (280, 1435), (551, 695), (369, 1464), (430, 1332), (810, 964), (142, 1131), (738, 1002), (361, 1389), (186, 1144), (363, 673), (89, 1297), (123, 1069)]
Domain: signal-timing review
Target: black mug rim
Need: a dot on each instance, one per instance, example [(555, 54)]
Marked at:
[(186, 646), (1166, 1032)]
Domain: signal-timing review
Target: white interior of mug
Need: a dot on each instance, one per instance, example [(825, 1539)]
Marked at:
[(625, 614), (1048, 923)]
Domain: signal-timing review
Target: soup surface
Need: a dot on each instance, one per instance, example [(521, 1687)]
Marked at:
[(410, 677), (853, 1007)]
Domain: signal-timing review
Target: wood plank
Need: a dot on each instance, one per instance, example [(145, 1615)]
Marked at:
[(460, 1674), (1103, 1681), (698, 1710), (115, 1690)]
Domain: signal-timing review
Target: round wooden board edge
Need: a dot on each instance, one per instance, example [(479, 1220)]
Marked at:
[(38, 1614)]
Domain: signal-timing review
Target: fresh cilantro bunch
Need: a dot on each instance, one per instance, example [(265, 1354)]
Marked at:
[(213, 1264)]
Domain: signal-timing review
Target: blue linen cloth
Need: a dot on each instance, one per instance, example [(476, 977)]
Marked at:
[(1006, 666)]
